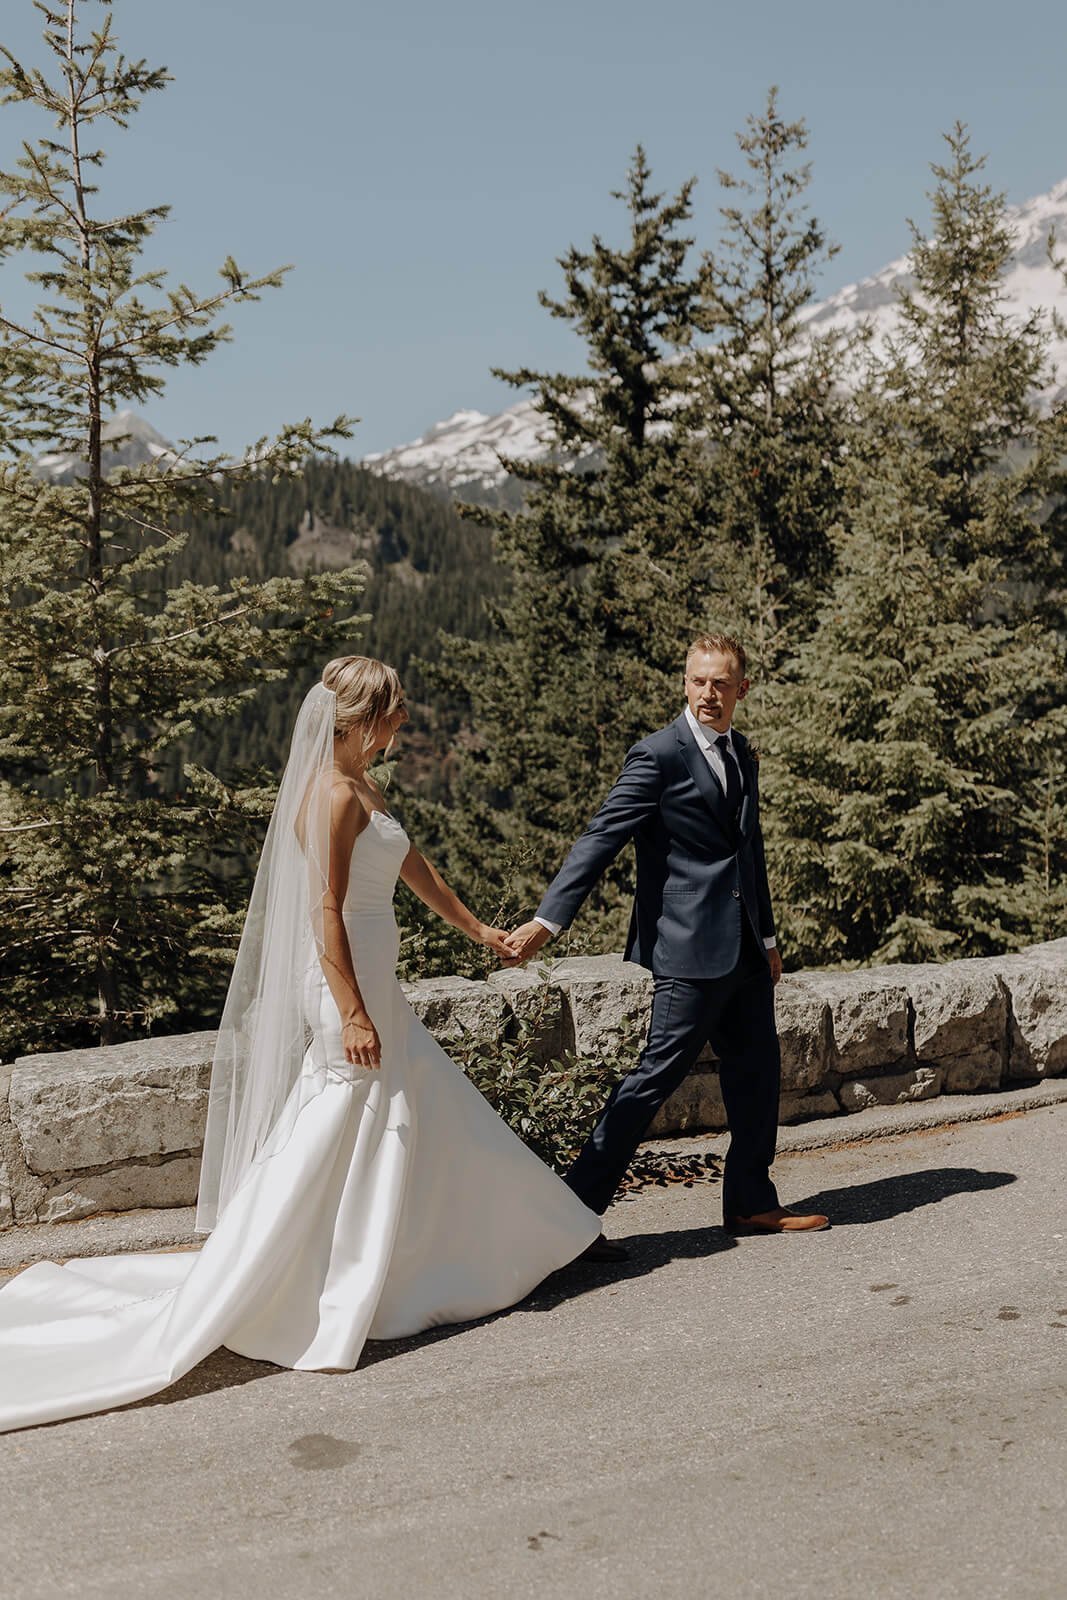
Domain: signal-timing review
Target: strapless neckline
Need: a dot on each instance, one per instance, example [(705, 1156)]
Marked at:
[(380, 821)]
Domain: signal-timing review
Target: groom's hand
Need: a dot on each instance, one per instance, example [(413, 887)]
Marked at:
[(525, 942)]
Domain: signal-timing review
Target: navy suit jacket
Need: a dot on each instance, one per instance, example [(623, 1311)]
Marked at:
[(698, 873)]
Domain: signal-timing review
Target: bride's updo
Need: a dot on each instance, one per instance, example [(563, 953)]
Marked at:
[(366, 690)]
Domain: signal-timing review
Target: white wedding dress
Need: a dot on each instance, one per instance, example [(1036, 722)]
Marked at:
[(385, 1203)]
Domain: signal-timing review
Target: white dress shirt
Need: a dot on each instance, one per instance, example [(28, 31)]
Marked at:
[(713, 757), (710, 751)]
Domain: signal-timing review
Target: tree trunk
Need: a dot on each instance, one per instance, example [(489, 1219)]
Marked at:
[(95, 571)]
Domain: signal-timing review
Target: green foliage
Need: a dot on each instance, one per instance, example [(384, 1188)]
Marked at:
[(772, 403), (894, 562), (914, 797), (552, 1106), (112, 883)]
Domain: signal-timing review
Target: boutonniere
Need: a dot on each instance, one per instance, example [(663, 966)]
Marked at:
[(755, 752)]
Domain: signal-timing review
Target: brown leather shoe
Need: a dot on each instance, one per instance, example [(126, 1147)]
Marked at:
[(603, 1249), (780, 1220)]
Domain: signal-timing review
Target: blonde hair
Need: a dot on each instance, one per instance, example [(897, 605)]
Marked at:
[(366, 690), (723, 644)]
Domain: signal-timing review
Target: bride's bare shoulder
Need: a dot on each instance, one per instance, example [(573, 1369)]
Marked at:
[(376, 794), (349, 807), (332, 802)]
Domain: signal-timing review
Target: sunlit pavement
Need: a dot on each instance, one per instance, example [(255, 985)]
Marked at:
[(878, 1410)]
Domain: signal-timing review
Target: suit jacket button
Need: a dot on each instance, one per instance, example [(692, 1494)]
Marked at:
[(736, 893)]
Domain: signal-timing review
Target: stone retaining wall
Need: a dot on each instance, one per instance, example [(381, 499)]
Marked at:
[(118, 1128)]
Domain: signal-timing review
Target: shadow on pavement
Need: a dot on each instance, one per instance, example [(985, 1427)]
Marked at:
[(857, 1203), (220, 1370), (648, 1252), (890, 1197)]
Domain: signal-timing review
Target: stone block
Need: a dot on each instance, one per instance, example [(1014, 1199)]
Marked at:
[(1053, 953), (95, 1108), (892, 1089), (959, 1021), (868, 1018), (608, 1004), (963, 1076), (696, 1106), (799, 1107), (535, 1000), (804, 1032), (9, 1154), (1036, 984), (129, 1188), (459, 1011)]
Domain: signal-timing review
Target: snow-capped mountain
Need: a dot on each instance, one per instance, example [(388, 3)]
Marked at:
[(1030, 281), (129, 441), (459, 456)]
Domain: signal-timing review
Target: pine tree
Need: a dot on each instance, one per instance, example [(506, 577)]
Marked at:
[(914, 801), (772, 399), (112, 884), (608, 563)]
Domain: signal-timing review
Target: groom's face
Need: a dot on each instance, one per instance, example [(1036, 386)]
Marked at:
[(713, 686)]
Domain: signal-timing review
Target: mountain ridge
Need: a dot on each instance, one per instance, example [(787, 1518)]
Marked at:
[(129, 441), (458, 456)]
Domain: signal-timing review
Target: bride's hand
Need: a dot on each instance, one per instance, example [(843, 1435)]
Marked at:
[(362, 1046), (494, 938)]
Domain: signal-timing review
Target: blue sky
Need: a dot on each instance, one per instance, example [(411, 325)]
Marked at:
[(422, 164)]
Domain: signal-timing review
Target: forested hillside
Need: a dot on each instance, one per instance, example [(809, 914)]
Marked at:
[(430, 572)]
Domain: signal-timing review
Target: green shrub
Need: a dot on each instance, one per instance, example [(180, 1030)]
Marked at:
[(551, 1105)]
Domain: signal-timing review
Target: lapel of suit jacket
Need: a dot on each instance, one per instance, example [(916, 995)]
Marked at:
[(702, 776), (748, 774)]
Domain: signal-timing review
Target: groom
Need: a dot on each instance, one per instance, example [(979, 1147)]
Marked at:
[(702, 922)]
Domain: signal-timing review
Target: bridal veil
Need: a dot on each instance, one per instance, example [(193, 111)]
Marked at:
[(263, 1034)]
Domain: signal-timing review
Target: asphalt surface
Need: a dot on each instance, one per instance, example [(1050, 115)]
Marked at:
[(875, 1411)]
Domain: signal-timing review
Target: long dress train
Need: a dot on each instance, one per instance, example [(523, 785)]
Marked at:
[(384, 1203)]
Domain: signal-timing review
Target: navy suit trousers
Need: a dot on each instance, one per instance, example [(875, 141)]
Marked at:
[(734, 1013)]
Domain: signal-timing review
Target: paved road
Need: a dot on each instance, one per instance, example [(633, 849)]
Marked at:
[(877, 1411)]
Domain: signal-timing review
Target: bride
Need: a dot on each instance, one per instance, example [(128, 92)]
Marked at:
[(355, 1185)]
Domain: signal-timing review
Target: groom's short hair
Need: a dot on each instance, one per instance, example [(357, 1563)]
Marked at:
[(723, 644)]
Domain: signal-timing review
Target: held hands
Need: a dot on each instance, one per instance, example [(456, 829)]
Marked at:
[(494, 938), (524, 942), (511, 948), (361, 1043)]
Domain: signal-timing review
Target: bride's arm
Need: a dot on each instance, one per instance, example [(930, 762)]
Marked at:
[(359, 1036), (423, 879)]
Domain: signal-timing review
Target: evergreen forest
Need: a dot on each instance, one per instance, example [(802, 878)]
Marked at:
[(883, 525), (428, 573)]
